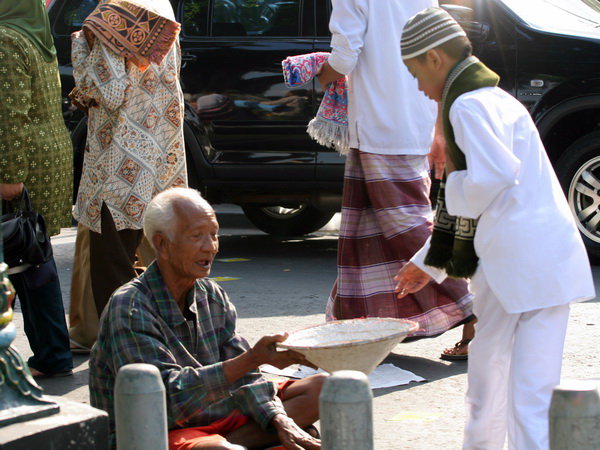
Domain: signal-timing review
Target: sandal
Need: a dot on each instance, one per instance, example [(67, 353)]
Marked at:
[(451, 354)]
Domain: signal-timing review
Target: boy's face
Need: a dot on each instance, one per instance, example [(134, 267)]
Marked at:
[(431, 72)]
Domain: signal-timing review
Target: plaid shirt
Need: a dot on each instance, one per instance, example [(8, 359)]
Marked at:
[(143, 324)]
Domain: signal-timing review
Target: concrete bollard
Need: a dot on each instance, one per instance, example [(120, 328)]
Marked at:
[(575, 416), (140, 408), (346, 412)]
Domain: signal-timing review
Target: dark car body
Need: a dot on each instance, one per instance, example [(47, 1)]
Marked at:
[(245, 131)]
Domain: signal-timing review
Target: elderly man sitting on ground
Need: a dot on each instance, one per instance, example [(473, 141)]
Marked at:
[(177, 319)]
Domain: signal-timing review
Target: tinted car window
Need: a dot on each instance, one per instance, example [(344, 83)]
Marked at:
[(72, 15), (256, 18), (195, 17)]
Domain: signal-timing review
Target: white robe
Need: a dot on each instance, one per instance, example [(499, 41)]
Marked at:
[(532, 263), (530, 250)]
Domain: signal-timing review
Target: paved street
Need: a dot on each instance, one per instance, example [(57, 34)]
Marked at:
[(282, 285)]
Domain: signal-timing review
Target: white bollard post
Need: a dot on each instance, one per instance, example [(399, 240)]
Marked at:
[(140, 408), (346, 412), (575, 416)]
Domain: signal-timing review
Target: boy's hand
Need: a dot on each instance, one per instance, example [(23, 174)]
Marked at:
[(437, 157), (410, 279)]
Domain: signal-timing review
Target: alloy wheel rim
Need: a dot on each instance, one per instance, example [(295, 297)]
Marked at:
[(584, 199)]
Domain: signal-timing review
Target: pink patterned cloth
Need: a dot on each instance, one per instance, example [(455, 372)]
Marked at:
[(330, 125)]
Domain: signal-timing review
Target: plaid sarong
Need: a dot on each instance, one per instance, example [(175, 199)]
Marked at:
[(386, 218)]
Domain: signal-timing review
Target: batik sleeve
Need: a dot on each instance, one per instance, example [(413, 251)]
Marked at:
[(348, 25), (100, 74), (15, 102)]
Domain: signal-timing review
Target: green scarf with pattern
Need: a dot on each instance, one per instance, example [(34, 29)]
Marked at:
[(451, 245)]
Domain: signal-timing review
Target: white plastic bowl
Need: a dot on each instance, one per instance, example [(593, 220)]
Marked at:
[(357, 344)]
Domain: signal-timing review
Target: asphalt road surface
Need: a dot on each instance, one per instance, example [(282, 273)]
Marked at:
[(282, 285)]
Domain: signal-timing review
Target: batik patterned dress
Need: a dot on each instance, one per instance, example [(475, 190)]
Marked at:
[(135, 145), (35, 147)]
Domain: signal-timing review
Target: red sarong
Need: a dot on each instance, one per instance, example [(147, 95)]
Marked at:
[(188, 438)]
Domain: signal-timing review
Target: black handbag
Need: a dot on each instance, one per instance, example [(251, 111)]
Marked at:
[(26, 241)]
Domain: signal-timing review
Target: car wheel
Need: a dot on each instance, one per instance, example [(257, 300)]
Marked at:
[(281, 221), (579, 173)]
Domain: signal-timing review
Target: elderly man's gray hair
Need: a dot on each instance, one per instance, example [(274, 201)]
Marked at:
[(161, 215)]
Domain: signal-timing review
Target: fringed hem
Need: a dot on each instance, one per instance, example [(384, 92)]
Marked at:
[(330, 134), (462, 268), (437, 260), (164, 42)]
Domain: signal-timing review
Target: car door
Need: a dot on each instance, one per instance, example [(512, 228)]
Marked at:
[(330, 164), (492, 33), (232, 52)]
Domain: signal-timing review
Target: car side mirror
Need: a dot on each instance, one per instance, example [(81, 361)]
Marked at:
[(476, 31)]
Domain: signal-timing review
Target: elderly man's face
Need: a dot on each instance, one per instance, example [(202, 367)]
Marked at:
[(195, 241)]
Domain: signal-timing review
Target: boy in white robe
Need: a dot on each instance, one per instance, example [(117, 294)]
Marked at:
[(505, 224)]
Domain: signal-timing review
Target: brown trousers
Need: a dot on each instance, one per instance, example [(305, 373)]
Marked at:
[(112, 255), (83, 315)]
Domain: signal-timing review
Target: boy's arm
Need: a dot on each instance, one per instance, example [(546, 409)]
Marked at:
[(348, 25), (491, 165)]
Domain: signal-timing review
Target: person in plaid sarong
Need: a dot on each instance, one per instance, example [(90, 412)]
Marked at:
[(386, 212)]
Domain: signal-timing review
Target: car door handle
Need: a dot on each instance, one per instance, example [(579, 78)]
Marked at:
[(189, 57)]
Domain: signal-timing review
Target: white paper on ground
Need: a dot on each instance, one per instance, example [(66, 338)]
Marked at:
[(384, 375)]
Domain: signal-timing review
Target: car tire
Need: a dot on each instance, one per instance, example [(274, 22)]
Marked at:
[(280, 221), (578, 170)]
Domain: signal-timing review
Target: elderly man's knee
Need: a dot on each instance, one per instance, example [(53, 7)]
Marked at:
[(316, 384)]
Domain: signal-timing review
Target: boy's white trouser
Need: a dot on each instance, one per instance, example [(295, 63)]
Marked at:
[(514, 364)]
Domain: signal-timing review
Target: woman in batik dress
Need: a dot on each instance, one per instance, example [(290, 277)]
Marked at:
[(36, 152)]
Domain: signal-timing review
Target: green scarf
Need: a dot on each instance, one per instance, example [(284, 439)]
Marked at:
[(452, 246), (29, 18)]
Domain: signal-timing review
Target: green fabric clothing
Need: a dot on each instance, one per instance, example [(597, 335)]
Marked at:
[(452, 247), (35, 147), (29, 17)]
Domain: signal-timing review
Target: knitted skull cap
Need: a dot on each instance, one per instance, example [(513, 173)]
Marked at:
[(426, 30)]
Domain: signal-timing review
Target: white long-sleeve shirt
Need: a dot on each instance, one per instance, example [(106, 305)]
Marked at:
[(386, 111), (529, 248)]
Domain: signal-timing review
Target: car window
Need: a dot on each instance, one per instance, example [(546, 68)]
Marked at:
[(195, 18), (256, 17), (580, 17), (72, 14)]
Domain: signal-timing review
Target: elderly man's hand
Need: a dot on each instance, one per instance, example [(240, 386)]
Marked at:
[(265, 352), (410, 279), (291, 436)]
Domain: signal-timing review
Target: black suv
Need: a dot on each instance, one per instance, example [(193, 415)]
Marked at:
[(245, 131)]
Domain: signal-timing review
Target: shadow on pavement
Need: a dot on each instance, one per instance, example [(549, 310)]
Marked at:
[(66, 385)]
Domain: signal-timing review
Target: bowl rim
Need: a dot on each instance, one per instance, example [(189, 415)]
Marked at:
[(414, 326)]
